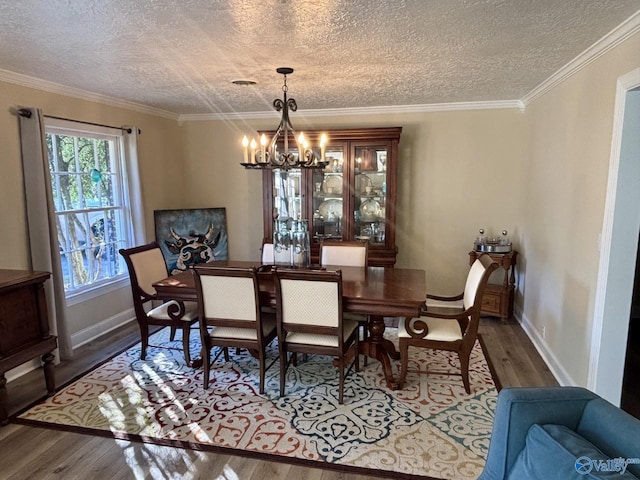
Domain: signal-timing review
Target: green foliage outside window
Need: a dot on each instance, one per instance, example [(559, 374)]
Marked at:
[(87, 192)]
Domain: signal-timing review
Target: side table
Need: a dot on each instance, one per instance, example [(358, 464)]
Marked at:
[(24, 327), (498, 298)]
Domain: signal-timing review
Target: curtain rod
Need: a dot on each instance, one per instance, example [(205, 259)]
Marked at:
[(23, 112)]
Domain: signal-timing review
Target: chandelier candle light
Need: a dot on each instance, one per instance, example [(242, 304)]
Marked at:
[(268, 155)]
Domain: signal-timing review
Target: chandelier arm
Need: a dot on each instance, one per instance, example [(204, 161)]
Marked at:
[(273, 158), (269, 158)]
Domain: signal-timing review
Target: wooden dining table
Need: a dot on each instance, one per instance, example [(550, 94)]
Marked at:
[(375, 291)]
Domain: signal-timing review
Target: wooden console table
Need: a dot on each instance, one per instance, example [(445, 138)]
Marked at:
[(24, 327), (498, 298)]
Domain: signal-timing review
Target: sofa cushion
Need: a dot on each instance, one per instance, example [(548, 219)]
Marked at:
[(557, 452)]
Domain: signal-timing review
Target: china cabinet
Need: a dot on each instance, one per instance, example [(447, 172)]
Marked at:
[(353, 197)]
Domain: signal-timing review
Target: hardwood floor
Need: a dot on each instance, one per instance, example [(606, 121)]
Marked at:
[(36, 453)]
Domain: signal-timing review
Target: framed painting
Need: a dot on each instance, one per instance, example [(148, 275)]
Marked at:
[(191, 236)]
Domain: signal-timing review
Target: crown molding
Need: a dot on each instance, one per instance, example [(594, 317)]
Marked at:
[(337, 112), (618, 35), (45, 85)]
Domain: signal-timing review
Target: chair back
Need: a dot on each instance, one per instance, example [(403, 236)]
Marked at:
[(227, 296), (477, 281), (474, 278), (309, 300), (146, 265), (267, 253), (346, 254)]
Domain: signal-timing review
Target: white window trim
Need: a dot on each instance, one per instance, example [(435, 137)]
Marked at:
[(106, 286), (97, 289)]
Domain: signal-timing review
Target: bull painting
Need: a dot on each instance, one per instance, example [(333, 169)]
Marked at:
[(192, 236), (194, 249)]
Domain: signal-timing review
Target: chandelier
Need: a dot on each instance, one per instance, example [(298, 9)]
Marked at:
[(268, 156)]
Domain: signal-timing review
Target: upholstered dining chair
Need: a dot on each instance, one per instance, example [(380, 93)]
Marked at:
[(455, 330), (230, 315), (266, 252), (344, 254), (309, 319), (146, 265), (347, 254)]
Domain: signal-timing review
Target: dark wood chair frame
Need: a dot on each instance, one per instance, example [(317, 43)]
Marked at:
[(468, 320), (255, 347), (140, 298), (344, 344)]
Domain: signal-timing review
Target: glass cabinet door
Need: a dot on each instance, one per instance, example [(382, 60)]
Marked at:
[(370, 194), (329, 189), (352, 198), (287, 194)]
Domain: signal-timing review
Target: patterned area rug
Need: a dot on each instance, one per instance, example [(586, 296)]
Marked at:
[(431, 428)]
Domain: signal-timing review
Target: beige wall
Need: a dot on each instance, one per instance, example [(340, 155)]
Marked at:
[(458, 171), (570, 130)]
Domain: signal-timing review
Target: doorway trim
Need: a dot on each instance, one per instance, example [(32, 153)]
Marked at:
[(612, 303)]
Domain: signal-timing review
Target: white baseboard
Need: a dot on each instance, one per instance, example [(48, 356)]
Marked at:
[(556, 368), (105, 326)]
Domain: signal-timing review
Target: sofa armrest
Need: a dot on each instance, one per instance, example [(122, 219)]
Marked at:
[(518, 409), (612, 430)]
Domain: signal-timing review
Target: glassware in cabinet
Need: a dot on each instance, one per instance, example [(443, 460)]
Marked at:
[(287, 194), (328, 196), (370, 194)]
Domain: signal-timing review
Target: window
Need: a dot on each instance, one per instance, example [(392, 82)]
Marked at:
[(91, 203)]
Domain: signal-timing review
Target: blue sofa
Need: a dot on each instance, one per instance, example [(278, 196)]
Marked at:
[(561, 433)]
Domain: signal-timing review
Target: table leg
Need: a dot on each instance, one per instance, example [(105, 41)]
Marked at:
[(381, 349)]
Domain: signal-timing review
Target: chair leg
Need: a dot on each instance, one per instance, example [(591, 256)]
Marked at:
[(226, 353), (172, 335), (404, 361), (341, 381), (262, 373), (206, 365), (144, 340), (283, 370), (365, 336), (464, 367), (186, 331)]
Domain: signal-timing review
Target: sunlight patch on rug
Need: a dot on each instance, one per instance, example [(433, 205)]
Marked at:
[(430, 428)]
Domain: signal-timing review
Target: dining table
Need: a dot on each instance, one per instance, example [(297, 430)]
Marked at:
[(374, 291)]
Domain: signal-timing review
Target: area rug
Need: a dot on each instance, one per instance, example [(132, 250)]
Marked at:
[(429, 429)]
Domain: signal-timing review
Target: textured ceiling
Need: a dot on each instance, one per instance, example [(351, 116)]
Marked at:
[(182, 56)]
